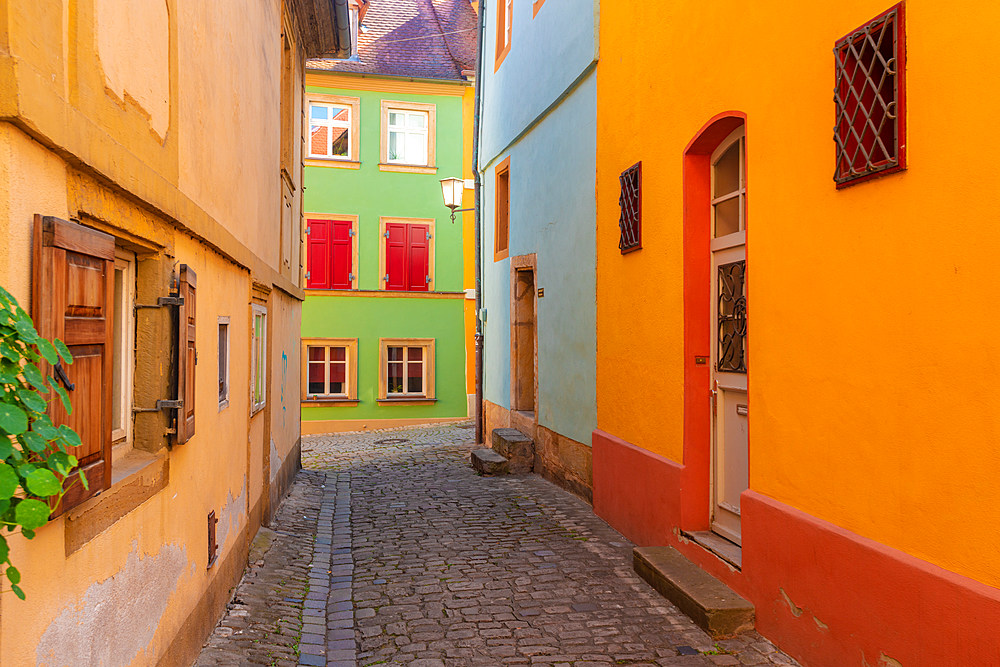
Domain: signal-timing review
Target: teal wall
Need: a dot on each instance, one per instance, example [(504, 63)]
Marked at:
[(370, 194)]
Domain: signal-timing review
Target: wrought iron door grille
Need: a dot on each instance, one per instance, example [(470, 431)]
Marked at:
[(732, 318), (630, 201), (869, 98)]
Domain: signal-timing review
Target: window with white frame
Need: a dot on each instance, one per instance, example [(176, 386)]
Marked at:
[(223, 362), (330, 368), (407, 370), (330, 131), (123, 361), (408, 137), (258, 358)]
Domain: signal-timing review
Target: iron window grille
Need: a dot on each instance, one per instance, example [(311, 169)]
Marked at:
[(732, 318), (870, 99), (630, 201)]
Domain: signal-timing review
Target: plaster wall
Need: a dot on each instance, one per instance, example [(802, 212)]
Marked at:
[(549, 52), (552, 210), (867, 334)]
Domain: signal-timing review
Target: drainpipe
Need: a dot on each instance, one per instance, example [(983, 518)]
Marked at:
[(480, 337)]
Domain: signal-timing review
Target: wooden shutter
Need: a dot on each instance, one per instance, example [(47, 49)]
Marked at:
[(395, 256), (417, 258), (187, 356), (342, 258), (318, 255), (72, 299)]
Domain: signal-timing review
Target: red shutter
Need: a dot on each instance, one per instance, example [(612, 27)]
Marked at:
[(187, 354), (342, 255), (72, 299), (395, 256), (417, 258), (318, 255)]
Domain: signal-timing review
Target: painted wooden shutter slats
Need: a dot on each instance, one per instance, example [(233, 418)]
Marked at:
[(72, 299), (417, 258), (318, 254), (396, 256), (187, 354), (341, 258)]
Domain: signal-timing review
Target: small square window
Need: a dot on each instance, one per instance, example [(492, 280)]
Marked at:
[(333, 128), (407, 368), (870, 127), (408, 137), (630, 202), (330, 369)]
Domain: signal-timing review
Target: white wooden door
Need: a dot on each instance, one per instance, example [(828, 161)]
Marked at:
[(730, 409)]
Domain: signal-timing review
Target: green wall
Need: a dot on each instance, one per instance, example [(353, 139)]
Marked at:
[(370, 194), (371, 318)]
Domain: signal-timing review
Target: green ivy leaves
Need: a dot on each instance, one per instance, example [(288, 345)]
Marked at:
[(35, 464)]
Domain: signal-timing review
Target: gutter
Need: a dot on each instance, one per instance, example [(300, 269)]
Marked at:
[(476, 122), (342, 21)]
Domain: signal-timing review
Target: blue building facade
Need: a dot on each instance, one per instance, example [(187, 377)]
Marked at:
[(537, 160)]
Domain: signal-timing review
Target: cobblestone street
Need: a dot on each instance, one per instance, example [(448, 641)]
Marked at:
[(391, 551)]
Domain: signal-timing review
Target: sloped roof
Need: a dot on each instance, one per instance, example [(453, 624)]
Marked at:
[(427, 39)]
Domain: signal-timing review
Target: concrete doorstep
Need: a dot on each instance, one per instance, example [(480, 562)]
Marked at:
[(712, 605)]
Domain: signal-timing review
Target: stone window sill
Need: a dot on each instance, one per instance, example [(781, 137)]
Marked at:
[(135, 478), (349, 402), (416, 400)]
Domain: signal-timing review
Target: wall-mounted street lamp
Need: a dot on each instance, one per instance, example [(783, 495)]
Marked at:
[(453, 189)]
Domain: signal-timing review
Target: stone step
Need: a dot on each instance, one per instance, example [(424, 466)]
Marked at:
[(712, 605), (516, 447), (488, 462)]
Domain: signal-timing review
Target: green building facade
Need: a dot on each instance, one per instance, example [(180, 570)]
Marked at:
[(384, 330)]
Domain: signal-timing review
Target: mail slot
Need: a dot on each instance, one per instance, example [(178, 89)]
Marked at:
[(742, 410)]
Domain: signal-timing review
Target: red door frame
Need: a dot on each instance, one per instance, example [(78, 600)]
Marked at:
[(695, 499)]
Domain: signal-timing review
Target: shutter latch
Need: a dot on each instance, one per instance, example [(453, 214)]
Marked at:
[(308, 230), (427, 279), (429, 237), (386, 277), (61, 375), (350, 276), (307, 275), (162, 301), (350, 232), (386, 233)]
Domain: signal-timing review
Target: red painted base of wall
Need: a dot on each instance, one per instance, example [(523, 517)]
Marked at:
[(825, 595)]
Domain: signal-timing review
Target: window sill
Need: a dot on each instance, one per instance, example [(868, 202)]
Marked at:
[(135, 478), (407, 168), (348, 402), (330, 162), (255, 410), (223, 404), (415, 400)]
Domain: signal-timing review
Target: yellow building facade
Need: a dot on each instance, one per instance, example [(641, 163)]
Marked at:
[(861, 504), (166, 139)]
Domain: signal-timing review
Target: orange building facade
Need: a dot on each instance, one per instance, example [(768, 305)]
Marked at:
[(794, 344)]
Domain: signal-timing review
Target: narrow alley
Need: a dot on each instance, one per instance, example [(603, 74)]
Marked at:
[(430, 564)]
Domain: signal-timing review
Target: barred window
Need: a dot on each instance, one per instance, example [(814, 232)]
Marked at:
[(869, 96), (630, 201)]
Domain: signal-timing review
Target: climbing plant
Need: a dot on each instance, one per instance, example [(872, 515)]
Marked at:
[(35, 458)]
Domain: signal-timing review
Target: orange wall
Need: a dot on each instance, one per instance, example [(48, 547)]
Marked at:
[(871, 333)]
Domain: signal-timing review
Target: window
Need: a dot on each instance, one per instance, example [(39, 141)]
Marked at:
[(729, 190), (334, 130), (330, 371), (406, 260), (407, 369), (501, 216), (331, 252), (630, 202), (505, 22), (407, 137), (123, 358), (870, 127), (258, 358), (223, 362), (408, 130)]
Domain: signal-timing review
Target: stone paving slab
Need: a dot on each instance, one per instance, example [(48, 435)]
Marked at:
[(424, 563)]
